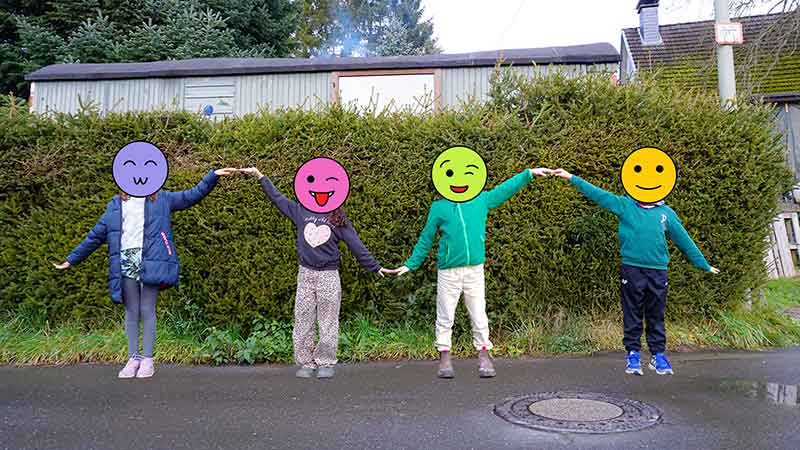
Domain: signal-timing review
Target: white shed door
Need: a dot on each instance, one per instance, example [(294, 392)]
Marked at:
[(394, 91)]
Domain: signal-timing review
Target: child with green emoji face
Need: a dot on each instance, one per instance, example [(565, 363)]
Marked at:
[(459, 175)]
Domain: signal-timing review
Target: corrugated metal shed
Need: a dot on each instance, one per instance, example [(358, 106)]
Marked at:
[(461, 84), (235, 86)]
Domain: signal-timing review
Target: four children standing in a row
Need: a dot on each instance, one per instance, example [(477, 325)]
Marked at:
[(148, 261)]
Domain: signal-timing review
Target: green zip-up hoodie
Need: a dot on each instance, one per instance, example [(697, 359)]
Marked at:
[(463, 226), (643, 231)]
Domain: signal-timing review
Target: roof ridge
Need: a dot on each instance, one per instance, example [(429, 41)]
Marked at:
[(695, 22)]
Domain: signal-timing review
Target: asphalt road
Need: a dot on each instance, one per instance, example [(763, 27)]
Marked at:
[(715, 401)]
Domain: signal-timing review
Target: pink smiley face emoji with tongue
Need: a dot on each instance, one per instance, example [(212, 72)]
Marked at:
[(321, 185)]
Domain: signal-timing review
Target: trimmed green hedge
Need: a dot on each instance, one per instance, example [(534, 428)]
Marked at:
[(547, 247)]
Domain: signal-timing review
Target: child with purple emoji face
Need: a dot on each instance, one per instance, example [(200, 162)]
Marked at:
[(137, 225), (321, 186)]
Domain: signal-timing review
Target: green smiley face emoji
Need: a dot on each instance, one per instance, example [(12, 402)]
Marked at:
[(459, 174)]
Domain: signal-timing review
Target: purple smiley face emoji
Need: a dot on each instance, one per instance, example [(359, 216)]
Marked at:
[(140, 169), (321, 185)]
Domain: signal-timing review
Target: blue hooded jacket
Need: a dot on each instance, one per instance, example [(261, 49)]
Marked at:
[(159, 259)]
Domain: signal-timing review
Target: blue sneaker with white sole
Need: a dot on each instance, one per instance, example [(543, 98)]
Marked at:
[(660, 364), (634, 363)]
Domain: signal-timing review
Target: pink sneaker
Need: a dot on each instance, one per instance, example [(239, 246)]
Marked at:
[(146, 368), (129, 371)]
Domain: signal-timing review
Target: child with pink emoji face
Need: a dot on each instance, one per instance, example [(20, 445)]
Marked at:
[(321, 186)]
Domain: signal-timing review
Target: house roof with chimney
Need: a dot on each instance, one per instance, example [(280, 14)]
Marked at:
[(767, 64)]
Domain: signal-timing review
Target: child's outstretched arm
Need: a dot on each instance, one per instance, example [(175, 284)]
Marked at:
[(96, 237), (508, 188), (287, 207), (423, 245), (190, 197), (604, 199), (678, 235), (359, 250)]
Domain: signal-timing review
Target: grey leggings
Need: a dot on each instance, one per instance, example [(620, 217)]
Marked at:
[(140, 303)]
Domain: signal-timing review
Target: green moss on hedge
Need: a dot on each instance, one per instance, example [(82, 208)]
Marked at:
[(546, 247)]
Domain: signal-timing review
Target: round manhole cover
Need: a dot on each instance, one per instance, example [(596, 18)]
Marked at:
[(575, 409), (578, 412)]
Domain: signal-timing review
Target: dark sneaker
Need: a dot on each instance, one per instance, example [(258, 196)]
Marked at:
[(304, 372), (445, 366), (660, 364), (325, 372), (634, 363)]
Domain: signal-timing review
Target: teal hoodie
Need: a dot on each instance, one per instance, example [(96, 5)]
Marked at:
[(463, 226), (643, 231)]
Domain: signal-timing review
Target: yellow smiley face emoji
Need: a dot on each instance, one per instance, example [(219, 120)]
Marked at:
[(648, 175)]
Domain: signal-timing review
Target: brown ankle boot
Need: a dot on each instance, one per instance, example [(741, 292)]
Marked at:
[(445, 366), (485, 367)]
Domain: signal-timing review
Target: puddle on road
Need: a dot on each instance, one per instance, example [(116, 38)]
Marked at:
[(774, 393)]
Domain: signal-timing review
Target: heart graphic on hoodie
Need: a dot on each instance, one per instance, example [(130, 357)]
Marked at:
[(316, 235)]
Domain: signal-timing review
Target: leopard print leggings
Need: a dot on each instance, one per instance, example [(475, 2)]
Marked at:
[(319, 296)]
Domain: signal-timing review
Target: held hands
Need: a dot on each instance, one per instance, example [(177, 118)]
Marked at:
[(541, 172), (561, 173), (232, 171), (397, 272), (251, 171), (545, 172), (226, 171)]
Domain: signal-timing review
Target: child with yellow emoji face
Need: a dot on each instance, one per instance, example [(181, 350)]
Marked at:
[(645, 222)]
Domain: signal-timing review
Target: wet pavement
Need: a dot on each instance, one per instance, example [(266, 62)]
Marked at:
[(715, 401)]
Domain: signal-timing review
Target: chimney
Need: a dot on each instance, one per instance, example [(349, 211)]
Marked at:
[(648, 22)]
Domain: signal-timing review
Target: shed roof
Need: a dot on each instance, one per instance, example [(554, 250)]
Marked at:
[(598, 53), (768, 62)]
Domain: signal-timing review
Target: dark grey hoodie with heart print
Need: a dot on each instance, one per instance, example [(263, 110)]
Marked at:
[(317, 238)]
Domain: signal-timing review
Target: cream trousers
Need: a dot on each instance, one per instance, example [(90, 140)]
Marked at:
[(450, 284)]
